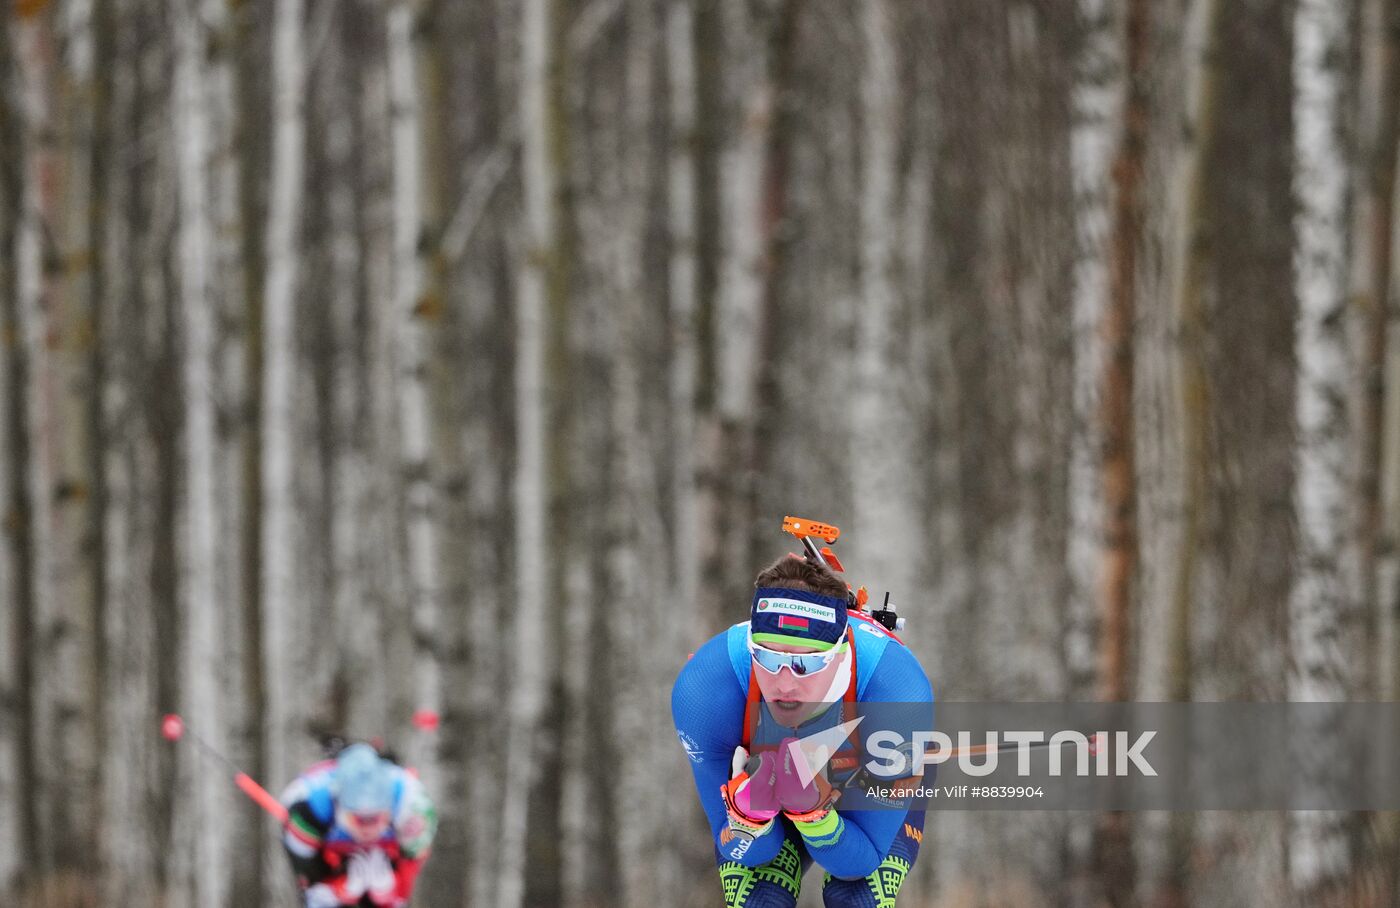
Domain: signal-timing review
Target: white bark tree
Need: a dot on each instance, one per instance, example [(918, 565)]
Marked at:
[(682, 276), (56, 275), (407, 124), (13, 500), (1322, 623), (1097, 97), (382, 567), (131, 860), (748, 113), (137, 624), (1096, 108), (741, 286), (75, 492), (241, 238), (34, 41), (358, 618), (634, 517), (884, 528), (1190, 256), (204, 848), (280, 603), (1369, 281), (540, 176), (682, 284)]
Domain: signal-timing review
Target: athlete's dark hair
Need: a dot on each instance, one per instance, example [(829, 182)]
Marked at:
[(793, 572)]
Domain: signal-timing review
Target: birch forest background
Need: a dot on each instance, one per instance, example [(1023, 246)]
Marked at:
[(368, 356)]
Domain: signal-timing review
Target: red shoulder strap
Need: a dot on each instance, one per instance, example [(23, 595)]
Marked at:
[(751, 707)]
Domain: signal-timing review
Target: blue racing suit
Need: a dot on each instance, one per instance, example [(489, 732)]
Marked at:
[(868, 853)]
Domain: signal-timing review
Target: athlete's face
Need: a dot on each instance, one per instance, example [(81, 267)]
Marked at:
[(364, 828), (792, 698)]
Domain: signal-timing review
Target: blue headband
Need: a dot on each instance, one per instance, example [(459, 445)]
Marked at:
[(796, 617)]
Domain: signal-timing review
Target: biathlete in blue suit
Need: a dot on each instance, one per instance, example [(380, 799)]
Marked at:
[(800, 664)]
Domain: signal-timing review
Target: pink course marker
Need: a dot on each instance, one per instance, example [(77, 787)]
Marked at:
[(172, 727)]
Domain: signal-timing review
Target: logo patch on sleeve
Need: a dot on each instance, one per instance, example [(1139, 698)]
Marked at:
[(692, 749)]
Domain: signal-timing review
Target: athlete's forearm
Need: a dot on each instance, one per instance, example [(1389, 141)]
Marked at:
[(840, 846), (302, 839), (406, 874), (751, 853)]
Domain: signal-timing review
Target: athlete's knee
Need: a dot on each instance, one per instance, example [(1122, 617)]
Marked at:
[(838, 893), (879, 890)]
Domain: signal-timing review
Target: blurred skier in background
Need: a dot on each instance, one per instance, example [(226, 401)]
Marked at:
[(359, 830)]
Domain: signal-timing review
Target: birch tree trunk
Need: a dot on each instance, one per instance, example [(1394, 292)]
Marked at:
[(751, 96), (248, 310), (34, 40), (203, 841), (1097, 98), (134, 874), (683, 288), (711, 263), (633, 516), (19, 832), (1096, 112), (1115, 592), (411, 301), (97, 206), (540, 304), (389, 572), (1191, 253), (1372, 227), (11, 795), (917, 346), (758, 442), (444, 346), (885, 526), (1389, 567), (1322, 625), (77, 573), (142, 620), (1372, 565), (59, 100), (490, 512), (1120, 538), (228, 238), (279, 602), (357, 606)]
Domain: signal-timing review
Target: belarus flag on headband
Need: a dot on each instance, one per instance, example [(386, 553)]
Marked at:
[(792, 621)]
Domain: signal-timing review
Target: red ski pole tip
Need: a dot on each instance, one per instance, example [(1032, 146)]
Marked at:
[(426, 719), (172, 727)]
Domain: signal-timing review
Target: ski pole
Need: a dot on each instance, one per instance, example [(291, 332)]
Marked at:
[(173, 728), (977, 750)]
